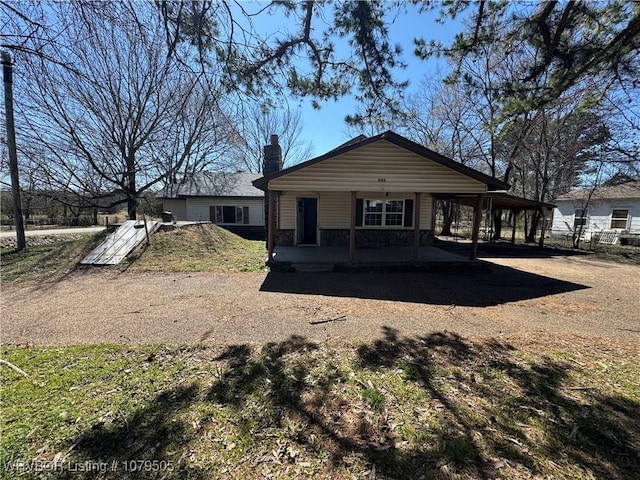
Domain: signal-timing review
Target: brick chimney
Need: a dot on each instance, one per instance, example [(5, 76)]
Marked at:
[(272, 162)]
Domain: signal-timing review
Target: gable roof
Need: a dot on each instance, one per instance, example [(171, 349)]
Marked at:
[(400, 141), (216, 184), (614, 192)]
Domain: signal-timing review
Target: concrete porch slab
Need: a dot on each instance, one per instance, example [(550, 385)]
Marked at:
[(367, 257)]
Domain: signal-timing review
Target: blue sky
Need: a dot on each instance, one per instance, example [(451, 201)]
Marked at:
[(326, 127)]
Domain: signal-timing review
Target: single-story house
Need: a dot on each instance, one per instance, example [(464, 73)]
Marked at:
[(227, 199), (613, 208), (370, 192)]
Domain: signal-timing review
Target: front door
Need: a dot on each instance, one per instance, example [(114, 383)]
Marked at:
[(307, 221)]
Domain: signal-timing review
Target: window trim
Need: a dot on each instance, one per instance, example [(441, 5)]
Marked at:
[(619, 219), (384, 213), (241, 216)]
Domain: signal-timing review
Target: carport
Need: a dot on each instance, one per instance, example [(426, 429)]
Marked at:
[(500, 200)]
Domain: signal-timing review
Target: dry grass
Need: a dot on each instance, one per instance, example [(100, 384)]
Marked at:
[(439, 406), (194, 248), (423, 406), (199, 248), (47, 257)]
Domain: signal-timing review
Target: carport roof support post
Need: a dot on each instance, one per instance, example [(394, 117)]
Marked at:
[(476, 226)]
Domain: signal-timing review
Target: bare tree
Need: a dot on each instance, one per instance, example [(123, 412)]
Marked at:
[(440, 118), (558, 146), (257, 123), (330, 49), (126, 117), (621, 111)]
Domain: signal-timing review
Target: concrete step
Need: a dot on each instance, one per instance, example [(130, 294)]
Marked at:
[(313, 267)]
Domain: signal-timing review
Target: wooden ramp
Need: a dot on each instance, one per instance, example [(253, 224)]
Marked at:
[(120, 243)]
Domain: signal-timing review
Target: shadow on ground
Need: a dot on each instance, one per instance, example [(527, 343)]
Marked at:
[(448, 407), (473, 287), (506, 249)]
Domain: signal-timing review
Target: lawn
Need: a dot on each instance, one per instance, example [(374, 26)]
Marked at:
[(199, 248), (47, 257), (194, 248), (438, 406)]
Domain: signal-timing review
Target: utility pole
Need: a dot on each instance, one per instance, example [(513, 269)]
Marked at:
[(7, 74)]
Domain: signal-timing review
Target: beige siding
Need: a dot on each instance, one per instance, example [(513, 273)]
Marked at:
[(198, 208), (288, 202), (177, 206), (426, 212), (335, 208), (379, 167)]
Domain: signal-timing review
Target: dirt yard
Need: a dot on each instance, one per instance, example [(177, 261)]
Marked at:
[(557, 295)]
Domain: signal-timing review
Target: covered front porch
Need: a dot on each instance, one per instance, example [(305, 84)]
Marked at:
[(312, 257), (353, 249), (370, 201)]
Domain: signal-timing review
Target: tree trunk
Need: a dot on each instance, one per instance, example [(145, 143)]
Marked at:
[(497, 224), (542, 228), (75, 218), (514, 224), (531, 236), (132, 204), (448, 214)]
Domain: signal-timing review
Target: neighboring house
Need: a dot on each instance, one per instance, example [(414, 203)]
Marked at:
[(227, 199), (369, 192), (607, 209)]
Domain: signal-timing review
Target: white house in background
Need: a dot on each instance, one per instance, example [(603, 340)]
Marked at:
[(610, 209), (226, 199)]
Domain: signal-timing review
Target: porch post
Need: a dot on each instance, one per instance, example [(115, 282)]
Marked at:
[(270, 226), (476, 227), (416, 225), (352, 228)]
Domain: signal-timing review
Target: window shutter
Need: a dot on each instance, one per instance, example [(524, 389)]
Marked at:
[(212, 214), (408, 213), (245, 215), (359, 208)]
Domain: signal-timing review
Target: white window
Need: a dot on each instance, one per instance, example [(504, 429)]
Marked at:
[(383, 213), (231, 215), (373, 212), (619, 218)]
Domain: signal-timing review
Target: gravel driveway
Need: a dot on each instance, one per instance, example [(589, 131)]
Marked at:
[(563, 295)]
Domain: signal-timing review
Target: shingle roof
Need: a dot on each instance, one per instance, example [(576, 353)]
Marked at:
[(625, 190), (216, 184)]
